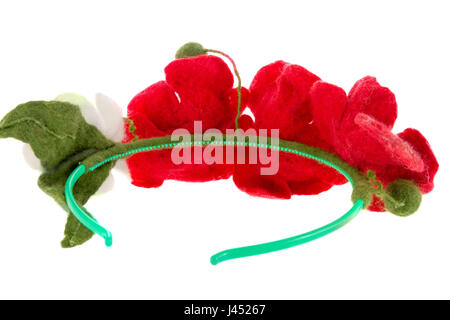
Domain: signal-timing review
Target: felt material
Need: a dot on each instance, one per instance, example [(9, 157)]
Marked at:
[(296, 175), (364, 192), (111, 117), (289, 147), (282, 89), (55, 130), (198, 88), (359, 128), (75, 233), (362, 185), (377, 204), (393, 145), (406, 195), (190, 49), (369, 97), (423, 179), (30, 158), (107, 185), (53, 184), (315, 117), (106, 115), (88, 110), (342, 132), (60, 138)]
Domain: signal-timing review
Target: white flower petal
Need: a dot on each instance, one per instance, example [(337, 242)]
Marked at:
[(89, 112), (30, 158), (111, 116)]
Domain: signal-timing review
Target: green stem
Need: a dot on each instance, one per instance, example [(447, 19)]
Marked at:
[(132, 128), (239, 87), (378, 189)]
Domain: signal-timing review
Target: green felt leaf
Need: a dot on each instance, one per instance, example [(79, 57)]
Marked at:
[(53, 183), (61, 139), (55, 130), (75, 233)]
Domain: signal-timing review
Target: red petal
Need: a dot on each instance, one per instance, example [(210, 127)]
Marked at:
[(144, 128), (202, 84), (245, 122), (144, 171), (328, 103), (311, 187), (369, 97), (194, 75), (309, 135), (307, 176), (229, 117), (279, 98), (248, 179), (263, 81), (296, 175), (157, 104), (377, 205), (393, 145), (424, 179), (204, 88), (150, 169)]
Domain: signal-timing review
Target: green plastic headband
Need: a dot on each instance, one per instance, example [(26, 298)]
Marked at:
[(86, 219), (285, 146)]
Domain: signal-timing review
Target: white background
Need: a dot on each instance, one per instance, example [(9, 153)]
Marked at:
[(164, 237)]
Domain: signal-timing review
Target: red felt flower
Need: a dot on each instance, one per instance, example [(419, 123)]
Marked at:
[(359, 127), (197, 88), (280, 99)]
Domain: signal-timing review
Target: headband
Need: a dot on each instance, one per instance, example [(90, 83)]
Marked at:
[(322, 138)]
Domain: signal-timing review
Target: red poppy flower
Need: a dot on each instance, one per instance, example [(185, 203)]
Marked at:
[(279, 99), (197, 88), (359, 127)]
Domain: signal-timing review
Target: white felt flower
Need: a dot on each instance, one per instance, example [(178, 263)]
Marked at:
[(106, 115)]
